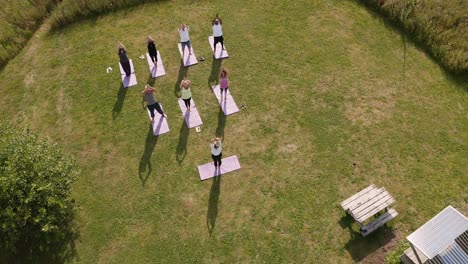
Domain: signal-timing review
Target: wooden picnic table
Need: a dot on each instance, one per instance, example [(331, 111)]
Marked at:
[(366, 204)]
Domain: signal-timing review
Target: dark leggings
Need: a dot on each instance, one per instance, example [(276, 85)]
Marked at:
[(154, 57), (224, 90), (218, 39), (187, 102), (155, 106), (126, 67), (217, 159), (186, 44)]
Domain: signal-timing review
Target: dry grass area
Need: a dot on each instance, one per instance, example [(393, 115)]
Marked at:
[(327, 85)]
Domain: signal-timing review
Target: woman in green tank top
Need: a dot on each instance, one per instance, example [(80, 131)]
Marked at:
[(186, 93)]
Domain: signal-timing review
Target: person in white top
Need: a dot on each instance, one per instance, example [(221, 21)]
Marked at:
[(185, 39), (217, 32), (216, 153)]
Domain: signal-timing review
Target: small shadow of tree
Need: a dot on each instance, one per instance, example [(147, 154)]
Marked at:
[(55, 247)]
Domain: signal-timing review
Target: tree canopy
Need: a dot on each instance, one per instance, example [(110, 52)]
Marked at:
[(36, 208)]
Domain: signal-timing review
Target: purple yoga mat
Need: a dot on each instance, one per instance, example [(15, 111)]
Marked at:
[(192, 118), (160, 125), (228, 164), (130, 80), (157, 71), (220, 53), (228, 105), (188, 60)]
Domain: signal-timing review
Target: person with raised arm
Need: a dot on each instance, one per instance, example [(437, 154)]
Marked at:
[(124, 61), (151, 103), (216, 154), (152, 51), (186, 93), (223, 83), (217, 32), (185, 38)]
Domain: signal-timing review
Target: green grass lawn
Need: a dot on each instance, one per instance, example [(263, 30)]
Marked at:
[(326, 83)]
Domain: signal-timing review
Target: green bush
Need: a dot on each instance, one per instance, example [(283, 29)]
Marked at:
[(18, 21), (36, 208), (440, 26)]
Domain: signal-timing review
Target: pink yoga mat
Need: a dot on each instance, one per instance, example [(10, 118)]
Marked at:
[(130, 80), (192, 118), (160, 125), (228, 105), (158, 70), (228, 164), (220, 53), (188, 60)]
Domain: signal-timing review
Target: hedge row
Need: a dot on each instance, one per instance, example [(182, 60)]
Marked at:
[(440, 26)]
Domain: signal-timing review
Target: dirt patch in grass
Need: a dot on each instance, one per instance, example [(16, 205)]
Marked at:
[(371, 108), (29, 79), (138, 232), (378, 256)]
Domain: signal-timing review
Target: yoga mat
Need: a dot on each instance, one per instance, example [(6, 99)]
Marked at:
[(228, 105), (188, 60), (220, 53), (130, 80), (228, 164), (192, 118), (157, 71), (160, 125)]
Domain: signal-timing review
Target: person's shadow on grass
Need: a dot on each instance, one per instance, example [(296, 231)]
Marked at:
[(214, 75), (181, 150), (221, 123), (182, 73), (146, 167), (120, 101), (213, 204), (151, 80)]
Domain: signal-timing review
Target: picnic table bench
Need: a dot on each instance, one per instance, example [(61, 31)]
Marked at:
[(367, 203)]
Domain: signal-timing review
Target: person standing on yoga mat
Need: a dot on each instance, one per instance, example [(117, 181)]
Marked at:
[(223, 83), (124, 59), (186, 93), (185, 39), (151, 103), (217, 32), (152, 50), (216, 153)]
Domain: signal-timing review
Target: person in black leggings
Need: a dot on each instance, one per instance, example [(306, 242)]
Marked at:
[(151, 103), (186, 93), (124, 59), (216, 154), (152, 50)]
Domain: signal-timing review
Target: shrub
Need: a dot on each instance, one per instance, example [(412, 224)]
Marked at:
[(440, 26), (36, 210)]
